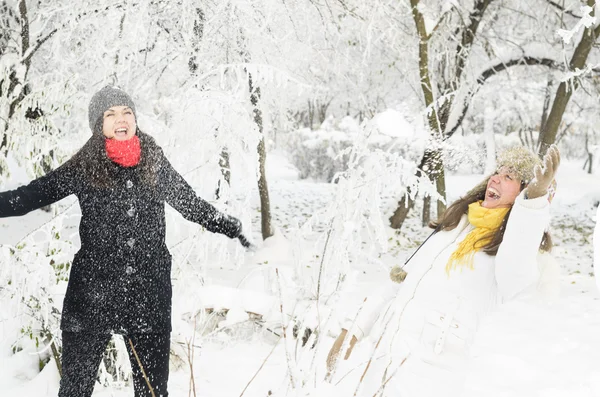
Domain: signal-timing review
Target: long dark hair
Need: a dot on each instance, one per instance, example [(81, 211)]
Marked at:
[(98, 169), (452, 216)]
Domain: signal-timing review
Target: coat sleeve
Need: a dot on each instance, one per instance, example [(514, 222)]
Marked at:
[(180, 195), (361, 321), (43, 191), (516, 261)]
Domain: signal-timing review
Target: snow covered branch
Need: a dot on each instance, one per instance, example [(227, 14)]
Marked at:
[(492, 71)]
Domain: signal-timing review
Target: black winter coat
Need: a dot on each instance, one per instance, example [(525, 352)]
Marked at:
[(120, 278)]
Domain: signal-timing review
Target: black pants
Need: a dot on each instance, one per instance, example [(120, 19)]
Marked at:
[(82, 353)]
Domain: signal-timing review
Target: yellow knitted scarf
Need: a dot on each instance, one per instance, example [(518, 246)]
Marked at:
[(486, 221)]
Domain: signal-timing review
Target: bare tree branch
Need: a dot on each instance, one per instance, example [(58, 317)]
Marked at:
[(27, 57), (468, 36), (492, 71), (349, 11), (438, 24), (562, 9), (525, 60), (24, 21)]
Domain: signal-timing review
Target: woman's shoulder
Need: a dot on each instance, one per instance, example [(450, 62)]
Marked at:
[(149, 145)]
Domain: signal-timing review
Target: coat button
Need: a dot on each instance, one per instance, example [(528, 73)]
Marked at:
[(131, 242), (129, 184), (131, 212), (129, 270)]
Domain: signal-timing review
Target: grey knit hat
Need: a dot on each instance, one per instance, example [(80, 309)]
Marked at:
[(104, 99)]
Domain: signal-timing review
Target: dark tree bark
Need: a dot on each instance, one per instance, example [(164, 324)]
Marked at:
[(566, 88), (263, 190), (198, 33)]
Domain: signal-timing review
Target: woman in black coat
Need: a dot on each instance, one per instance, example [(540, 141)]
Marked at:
[(120, 278)]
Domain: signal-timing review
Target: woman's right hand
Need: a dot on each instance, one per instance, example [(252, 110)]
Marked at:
[(337, 346), (544, 174)]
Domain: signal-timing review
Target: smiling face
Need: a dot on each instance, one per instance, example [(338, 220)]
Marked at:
[(119, 123), (502, 189)]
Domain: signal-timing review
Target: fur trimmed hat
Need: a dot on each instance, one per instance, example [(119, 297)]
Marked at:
[(104, 99), (519, 160)]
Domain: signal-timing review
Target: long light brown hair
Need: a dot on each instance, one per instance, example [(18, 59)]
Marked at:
[(452, 216)]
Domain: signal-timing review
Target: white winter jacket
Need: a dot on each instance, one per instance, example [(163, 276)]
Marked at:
[(433, 316)]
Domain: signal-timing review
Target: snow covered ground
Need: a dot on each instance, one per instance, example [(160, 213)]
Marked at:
[(543, 345)]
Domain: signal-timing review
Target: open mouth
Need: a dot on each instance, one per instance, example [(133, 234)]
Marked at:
[(492, 194), (121, 132)]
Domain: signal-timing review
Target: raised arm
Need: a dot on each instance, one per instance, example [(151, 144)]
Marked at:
[(180, 195), (516, 260), (43, 191)]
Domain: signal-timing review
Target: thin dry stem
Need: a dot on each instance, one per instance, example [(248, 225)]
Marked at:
[(380, 390), (190, 352), (261, 367), (142, 368), (284, 328)]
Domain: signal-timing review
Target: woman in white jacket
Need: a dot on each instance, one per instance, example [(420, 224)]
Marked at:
[(484, 251)]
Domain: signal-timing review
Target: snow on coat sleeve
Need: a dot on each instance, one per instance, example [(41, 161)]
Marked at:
[(39, 193), (180, 195), (516, 260)]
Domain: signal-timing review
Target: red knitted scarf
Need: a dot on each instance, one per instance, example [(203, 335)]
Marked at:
[(125, 153)]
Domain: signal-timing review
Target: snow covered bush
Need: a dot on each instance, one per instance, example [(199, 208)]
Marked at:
[(323, 153), (32, 286), (35, 275)]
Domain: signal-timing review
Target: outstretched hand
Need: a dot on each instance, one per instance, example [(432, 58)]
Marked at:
[(544, 175), (245, 243)]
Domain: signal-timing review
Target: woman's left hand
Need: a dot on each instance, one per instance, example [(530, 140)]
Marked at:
[(544, 175), (244, 241)]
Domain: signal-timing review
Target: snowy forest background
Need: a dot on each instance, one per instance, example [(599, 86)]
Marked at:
[(334, 129)]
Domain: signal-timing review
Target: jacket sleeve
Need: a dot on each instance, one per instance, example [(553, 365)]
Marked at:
[(43, 191), (516, 261), (180, 195), (361, 321)]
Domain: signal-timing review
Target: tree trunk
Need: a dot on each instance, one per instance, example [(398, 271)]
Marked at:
[(263, 190), (440, 184), (431, 163), (265, 204), (404, 207), (426, 215), (590, 155), (14, 80), (547, 98), (197, 34), (566, 88)]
